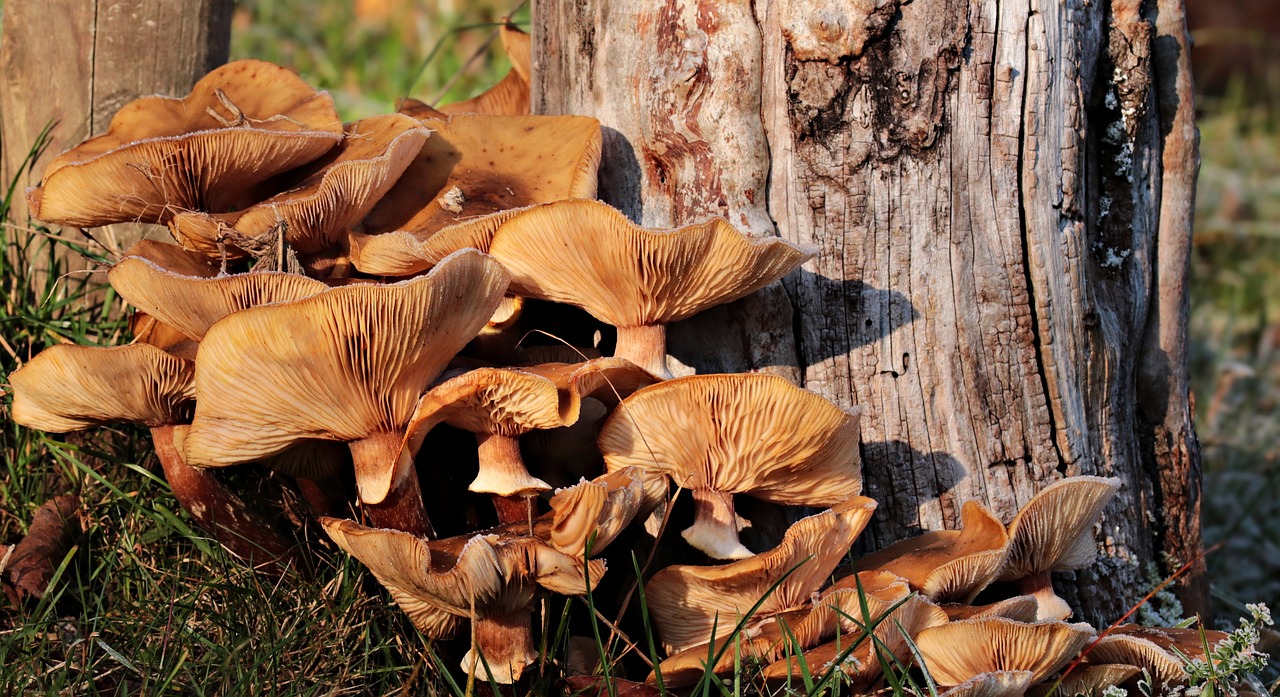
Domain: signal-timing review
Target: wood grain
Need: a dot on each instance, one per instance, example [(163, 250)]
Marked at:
[(984, 182)]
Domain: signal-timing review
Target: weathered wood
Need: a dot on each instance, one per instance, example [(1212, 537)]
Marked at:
[(984, 181), (75, 62)]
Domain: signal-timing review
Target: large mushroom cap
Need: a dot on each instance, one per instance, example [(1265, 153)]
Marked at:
[(192, 304), (346, 364), (68, 388), (687, 601), (587, 254), (317, 213), (241, 124), (476, 165), (722, 434), (958, 651)]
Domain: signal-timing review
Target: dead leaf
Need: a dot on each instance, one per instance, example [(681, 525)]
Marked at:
[(54, 530)]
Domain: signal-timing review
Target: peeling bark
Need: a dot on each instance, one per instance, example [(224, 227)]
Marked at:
[(1000, 278)]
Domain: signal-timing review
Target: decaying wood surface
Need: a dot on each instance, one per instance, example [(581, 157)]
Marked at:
[(76, 62), (1001, 282)]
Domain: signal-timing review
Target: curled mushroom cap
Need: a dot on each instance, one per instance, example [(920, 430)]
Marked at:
[(948, 564), (241, 124), (490, 579), (348, 364), (403, 253), (1022, 608), (68, 388), (722, 434), (192, 304), (588, 254), (957, 651), (476, 165), (1054, 532), (317, 213), (687, 601)]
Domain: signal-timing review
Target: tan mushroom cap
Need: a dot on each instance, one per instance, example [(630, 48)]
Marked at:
[(686, 601), (400, 253), (348, 364), (591, 514), (510, 97), (588, 254), (999, 683), (753, 434), (1086, 680), (958, 651), (490, 579), (475, 165), (764, 641), (242, 123), (68, 388), (948, 564), (320, 210), (1053, 531), (192, 304), (173, 258)]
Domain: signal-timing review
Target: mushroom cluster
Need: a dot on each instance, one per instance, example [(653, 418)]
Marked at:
[(344, 301)]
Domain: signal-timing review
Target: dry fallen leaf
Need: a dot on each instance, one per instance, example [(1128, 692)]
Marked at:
[(54, 530)]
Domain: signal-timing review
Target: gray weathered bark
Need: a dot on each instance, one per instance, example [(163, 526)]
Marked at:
[(1002, 277), (76, 62)]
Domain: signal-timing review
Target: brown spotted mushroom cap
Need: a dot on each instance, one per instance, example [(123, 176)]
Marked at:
[(242, 123)]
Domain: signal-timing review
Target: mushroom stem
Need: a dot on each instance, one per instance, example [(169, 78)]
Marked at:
[(646, 347), (506, 643), (1049, 605), (715, 526), (220, 512), (502, 470), (402, 507)]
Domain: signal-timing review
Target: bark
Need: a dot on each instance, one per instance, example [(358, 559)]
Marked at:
[(999, 249)]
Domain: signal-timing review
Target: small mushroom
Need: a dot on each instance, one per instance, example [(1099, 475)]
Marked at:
[(1022, 608), (948, 564), (501, 404), (348, 364), (490, 579), (998, 683), (1054, 532), (242, 124), (510, 97), (1158, 650), (754, 434), (587, 254)]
